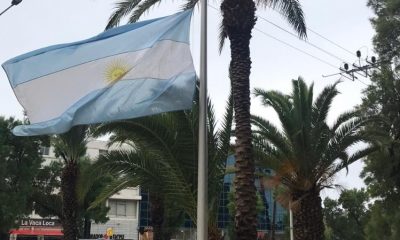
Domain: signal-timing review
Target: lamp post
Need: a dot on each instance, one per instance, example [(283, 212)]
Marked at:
[(13, 3)]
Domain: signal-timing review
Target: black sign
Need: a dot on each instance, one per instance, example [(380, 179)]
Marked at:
[(102, 236), (32, 222)]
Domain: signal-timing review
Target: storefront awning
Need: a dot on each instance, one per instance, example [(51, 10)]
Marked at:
[(37, 232)]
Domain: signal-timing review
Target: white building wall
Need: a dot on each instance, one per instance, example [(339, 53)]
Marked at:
[(122, 225), (126, 226)]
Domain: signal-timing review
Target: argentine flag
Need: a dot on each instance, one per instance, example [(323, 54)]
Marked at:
[(130, 71)]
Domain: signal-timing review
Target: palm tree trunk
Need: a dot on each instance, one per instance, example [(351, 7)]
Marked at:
[(157, 216), (238, 21), (214, 233), (69, 200), (307, 218), (87, 225)]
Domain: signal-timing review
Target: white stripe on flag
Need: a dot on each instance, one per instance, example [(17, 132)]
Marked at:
[(163, 61)]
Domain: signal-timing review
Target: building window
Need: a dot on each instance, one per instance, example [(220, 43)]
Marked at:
[(122, 208), (44, 151)]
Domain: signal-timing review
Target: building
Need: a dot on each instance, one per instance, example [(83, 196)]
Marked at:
[(224, 219), (130, 210), (123, 214), (265, 217)]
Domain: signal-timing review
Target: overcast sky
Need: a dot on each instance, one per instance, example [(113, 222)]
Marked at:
[(36, 24)]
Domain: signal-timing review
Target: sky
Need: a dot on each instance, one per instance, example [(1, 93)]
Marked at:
[(36, 24)]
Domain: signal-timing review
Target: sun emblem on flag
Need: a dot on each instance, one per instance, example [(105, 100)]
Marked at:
[(116, 71)]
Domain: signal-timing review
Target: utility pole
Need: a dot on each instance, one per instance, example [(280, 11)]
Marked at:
[(359, 69), (13, 3)]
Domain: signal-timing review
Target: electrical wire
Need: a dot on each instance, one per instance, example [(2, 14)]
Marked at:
[(362, 82), (288, 44), (307, 42), (296, 48), (326, 39), (330, 41)]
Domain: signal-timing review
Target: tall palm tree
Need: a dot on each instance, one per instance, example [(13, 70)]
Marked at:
[(163, 161), (70, 146), (307, 152), (238, 21)]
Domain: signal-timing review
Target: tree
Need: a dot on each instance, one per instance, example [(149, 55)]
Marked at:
[(140, 167), (19, 163), (47, 195), (347, 216), (308, 152), (384, 221), (382, 98), (260, 208), (87, 213), (238, 21), (70, 146), (163, 161), (386, 24), (46, 191)]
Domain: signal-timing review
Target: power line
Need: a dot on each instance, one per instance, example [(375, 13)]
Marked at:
[(288, 44), (307, 42), (332, 42), (304, 52), (325, 38), (296, 48)]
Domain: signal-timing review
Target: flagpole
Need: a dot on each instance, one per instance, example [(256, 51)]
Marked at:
[(202, 182), (291, 220)]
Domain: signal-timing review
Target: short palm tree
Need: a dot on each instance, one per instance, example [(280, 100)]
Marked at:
[(141, 167), (163, 161), (307, 152), (70, 146), (238, 21)]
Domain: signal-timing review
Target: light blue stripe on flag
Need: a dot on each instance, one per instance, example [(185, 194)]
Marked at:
[(131, 71)]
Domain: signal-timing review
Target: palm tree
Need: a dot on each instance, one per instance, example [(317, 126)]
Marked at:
[(238, 21), (48, 201), (307, 153), (141, 167), (70, 146), (88, 214), (163, 161)]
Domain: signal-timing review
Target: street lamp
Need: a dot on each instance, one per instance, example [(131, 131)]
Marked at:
[(13, 3)]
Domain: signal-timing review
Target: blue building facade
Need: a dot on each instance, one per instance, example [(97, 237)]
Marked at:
[(224, 218), (265, 217)]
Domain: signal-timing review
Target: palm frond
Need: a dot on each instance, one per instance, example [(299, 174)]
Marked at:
[(266, 156), (292, 11), (268, 131), (323, 103), (344, 117), (112, 188), (189, 4), (143, 7), (301, 115), (222, 36), (344, 164), (356, 156), (224, 135), (71, 145), (122, 9), (282, 106)]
